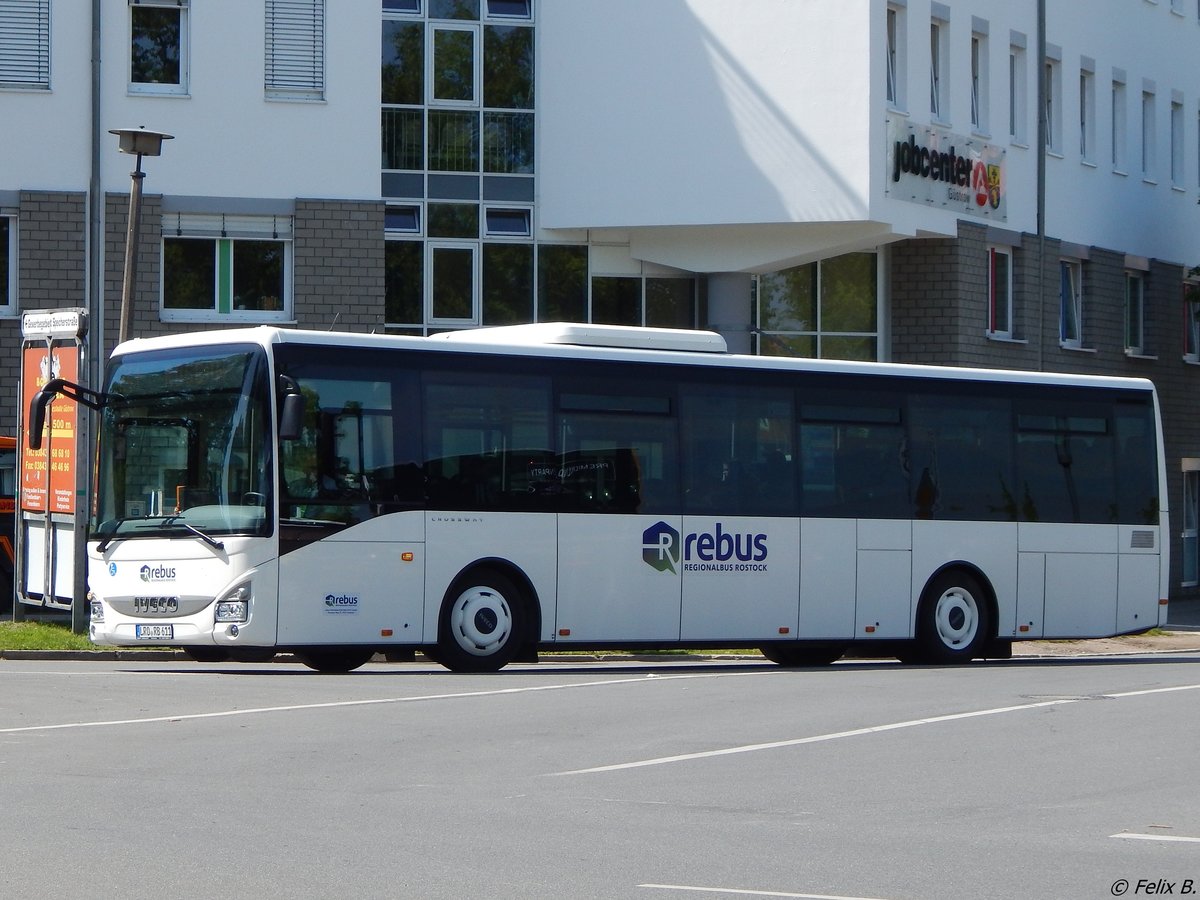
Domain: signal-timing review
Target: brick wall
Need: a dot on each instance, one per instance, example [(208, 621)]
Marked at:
[(51, 264), (339, 267)]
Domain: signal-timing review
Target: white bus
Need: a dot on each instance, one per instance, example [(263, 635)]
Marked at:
[(485, 495)]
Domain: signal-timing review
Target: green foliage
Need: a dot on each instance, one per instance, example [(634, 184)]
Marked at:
[(41, 636)]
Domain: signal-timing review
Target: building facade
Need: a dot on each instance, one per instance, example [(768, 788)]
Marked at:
[(910, 180)]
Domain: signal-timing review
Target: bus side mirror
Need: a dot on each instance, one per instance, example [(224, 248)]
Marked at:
[(291, 416), (37, 418)]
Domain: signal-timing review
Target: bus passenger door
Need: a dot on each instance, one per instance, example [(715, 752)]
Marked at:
[(619, 528)]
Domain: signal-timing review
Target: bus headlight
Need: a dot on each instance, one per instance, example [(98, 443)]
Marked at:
[(234, 606), (97, 611)]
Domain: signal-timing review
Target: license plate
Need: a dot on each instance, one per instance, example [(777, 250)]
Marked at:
[(154, 632)]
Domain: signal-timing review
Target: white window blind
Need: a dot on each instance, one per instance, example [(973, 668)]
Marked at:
[(295, 49), (25, 43)]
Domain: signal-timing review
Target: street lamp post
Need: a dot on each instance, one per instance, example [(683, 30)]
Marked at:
[(143, 143)]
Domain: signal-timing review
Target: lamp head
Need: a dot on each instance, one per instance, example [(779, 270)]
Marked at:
[(140, 140)]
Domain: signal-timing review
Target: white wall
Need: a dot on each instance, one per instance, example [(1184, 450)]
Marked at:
[(702, 112), (45, 145), (325, 149), (1092, 205)]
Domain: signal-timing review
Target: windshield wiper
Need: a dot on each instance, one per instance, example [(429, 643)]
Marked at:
[(112, 533), (173, 522)]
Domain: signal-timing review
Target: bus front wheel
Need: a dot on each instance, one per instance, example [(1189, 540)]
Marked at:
[(953, 620), (481, 624)]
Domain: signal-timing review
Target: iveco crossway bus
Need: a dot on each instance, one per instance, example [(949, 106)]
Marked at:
[(487, 494)]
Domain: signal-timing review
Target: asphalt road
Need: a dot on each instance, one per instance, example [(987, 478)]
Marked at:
[(1063, 778)]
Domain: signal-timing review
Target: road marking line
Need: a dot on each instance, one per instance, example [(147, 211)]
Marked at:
[(337, 704), (1163, 690), (748, 893), (858, 732), (815, 739), (1156, 837)]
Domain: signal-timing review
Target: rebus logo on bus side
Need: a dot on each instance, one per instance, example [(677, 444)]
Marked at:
[(717, 551)]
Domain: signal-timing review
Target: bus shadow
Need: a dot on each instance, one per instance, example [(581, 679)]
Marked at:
[(652, 668)]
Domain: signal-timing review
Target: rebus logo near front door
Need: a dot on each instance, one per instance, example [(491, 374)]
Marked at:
[(715, 551)]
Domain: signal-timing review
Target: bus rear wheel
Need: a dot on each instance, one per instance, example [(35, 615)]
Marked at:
[(797, 655), (482, 623), (335, 660), (953, 619)]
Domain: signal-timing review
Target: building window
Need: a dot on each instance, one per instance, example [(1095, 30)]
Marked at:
[(1070, 328), (1017, 93), (479, 81), (1087, 115), (1135, 314), (979, 83), (25, 44), (938, 53), (1148, 142), (1191, 528), (1191, 322), (218, 268), (8, 265), (657, 302), (895, 56), (1000, 293), (158, 46), (823, 309), (1176, 143), (1118, 126), (1052, 71), (294, 58)]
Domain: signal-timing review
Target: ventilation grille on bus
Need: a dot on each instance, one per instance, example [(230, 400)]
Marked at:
[(1141, 540)]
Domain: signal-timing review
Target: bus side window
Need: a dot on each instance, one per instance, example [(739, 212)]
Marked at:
[(487, 440), (619, 452), (854, 457), (960, 458), (737, 450)]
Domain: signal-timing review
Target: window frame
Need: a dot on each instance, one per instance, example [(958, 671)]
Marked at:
[(896, 62), (233, 229), (432, 30), (9, 305), (1119, 118), (1018, 95), (183, 7), (1000, 314), (1191, 322), (1074, 284), (294, 50), (1087, 116), (1149, 159), (979, 82), (938, 59), (1135, 313), (1053, 112), (30, 61)]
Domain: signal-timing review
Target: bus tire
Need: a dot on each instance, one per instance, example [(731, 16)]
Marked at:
[(482, 623), (953, 618), (796, 655), (335, 660)]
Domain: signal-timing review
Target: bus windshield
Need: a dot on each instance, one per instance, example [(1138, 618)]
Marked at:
[(184, 447)]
